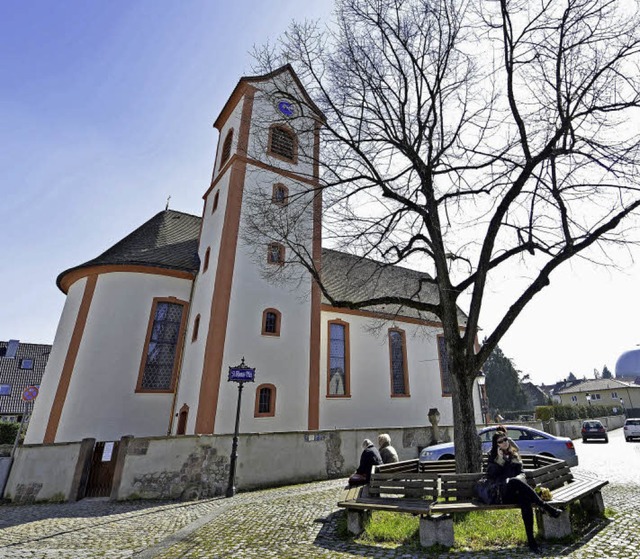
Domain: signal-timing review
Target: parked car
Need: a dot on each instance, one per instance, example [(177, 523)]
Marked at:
[(632, 428), (593, 429), (529, 440)]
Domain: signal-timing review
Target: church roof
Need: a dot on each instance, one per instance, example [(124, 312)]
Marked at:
[(168, 240), (349, 277)]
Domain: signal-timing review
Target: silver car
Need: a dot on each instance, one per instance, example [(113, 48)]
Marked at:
[(529, 441), (632, 428)]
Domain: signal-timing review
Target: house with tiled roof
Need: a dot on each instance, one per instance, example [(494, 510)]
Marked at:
[(151, 326), (610, 392), (21, 367)]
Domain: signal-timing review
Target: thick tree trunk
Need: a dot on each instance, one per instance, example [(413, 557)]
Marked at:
[(465, 437)]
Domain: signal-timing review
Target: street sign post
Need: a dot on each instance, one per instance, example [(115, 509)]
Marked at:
[(240, 374)]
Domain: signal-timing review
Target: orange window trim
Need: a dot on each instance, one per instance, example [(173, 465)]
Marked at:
[(288, 130), (264, 322), (347, 359), (407, 392), (272, 401), (177, 357)]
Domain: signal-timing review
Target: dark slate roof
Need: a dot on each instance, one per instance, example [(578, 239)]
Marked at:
[(168, 240), (349, 277), (18, 379)]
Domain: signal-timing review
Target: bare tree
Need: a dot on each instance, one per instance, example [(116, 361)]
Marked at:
[(473, 143)]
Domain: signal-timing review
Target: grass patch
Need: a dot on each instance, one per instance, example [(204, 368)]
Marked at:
[(474, 531)]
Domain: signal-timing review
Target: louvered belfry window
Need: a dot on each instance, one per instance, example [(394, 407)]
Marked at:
[(283, 143), (226, 148), (162, 348)]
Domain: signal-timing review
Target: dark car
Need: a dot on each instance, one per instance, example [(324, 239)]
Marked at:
[(594, 429)]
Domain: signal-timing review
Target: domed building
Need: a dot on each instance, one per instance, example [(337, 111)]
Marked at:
[(628, 365)]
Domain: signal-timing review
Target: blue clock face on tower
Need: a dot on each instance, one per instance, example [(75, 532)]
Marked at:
[(286, 107)]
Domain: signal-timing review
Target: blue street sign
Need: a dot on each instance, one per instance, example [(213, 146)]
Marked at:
[(242, 374)]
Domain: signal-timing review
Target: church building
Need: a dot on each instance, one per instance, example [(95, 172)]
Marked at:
[(150, 327)]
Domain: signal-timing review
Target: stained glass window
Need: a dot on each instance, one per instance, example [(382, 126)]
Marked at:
[(264, 402), (337, 359), (162, 348), (398, 366), (270, 322)]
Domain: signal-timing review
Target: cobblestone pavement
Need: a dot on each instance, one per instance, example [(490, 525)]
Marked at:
[(296, 522)]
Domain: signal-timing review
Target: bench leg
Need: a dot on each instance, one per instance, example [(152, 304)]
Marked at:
[(554, 527), (436, 530), (593, 504), (357, 520)]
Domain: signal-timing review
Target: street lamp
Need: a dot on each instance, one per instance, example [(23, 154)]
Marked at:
[(240, 373), (482, 379)]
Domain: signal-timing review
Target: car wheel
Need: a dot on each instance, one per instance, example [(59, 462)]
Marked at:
[(446, 457), (628, 439), (606, 439), (584, 439)]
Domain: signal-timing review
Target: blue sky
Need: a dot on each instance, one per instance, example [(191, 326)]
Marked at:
[(106, 109)]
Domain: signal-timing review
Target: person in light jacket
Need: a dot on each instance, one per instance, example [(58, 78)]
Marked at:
[(387, 452)]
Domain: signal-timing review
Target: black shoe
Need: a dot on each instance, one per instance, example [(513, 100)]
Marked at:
[(533, 546), (552, 511)]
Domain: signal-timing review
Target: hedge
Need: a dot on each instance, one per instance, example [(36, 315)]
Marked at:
[(8, 432), (562, 412)]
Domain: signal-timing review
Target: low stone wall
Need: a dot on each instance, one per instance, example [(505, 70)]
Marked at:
[(42, 473), (572, 428), (190, 467)]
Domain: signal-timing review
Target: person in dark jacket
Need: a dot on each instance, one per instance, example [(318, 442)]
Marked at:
[(370, 457), (504, 468)]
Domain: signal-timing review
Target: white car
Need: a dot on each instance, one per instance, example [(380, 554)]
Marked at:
[(632, 428)]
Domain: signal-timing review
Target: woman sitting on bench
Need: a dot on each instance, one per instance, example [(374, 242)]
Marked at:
[(504, 468)]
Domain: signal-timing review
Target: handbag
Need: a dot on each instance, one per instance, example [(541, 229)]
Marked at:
[(488, 491)]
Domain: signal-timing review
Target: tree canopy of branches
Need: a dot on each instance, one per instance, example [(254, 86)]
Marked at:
[(503, 384), (474, 141)]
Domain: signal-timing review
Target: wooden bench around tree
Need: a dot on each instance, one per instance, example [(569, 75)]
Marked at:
[(435, 492)]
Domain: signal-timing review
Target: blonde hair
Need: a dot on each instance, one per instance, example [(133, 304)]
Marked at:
[(384, 440)]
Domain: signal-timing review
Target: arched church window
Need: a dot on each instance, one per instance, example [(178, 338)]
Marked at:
[(265, 401), (159, 366), (398, 358), (271, 322), (196, 328), (275, 253), (338, 377), (207, 256), (183, 415), (280, 194)]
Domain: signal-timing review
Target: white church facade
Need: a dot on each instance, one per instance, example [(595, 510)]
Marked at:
[(150, 327)]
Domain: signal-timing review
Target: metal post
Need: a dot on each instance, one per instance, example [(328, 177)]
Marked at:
[(231, 490), (15, 442)]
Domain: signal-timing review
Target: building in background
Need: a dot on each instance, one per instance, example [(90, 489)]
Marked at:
[(21, 366)]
